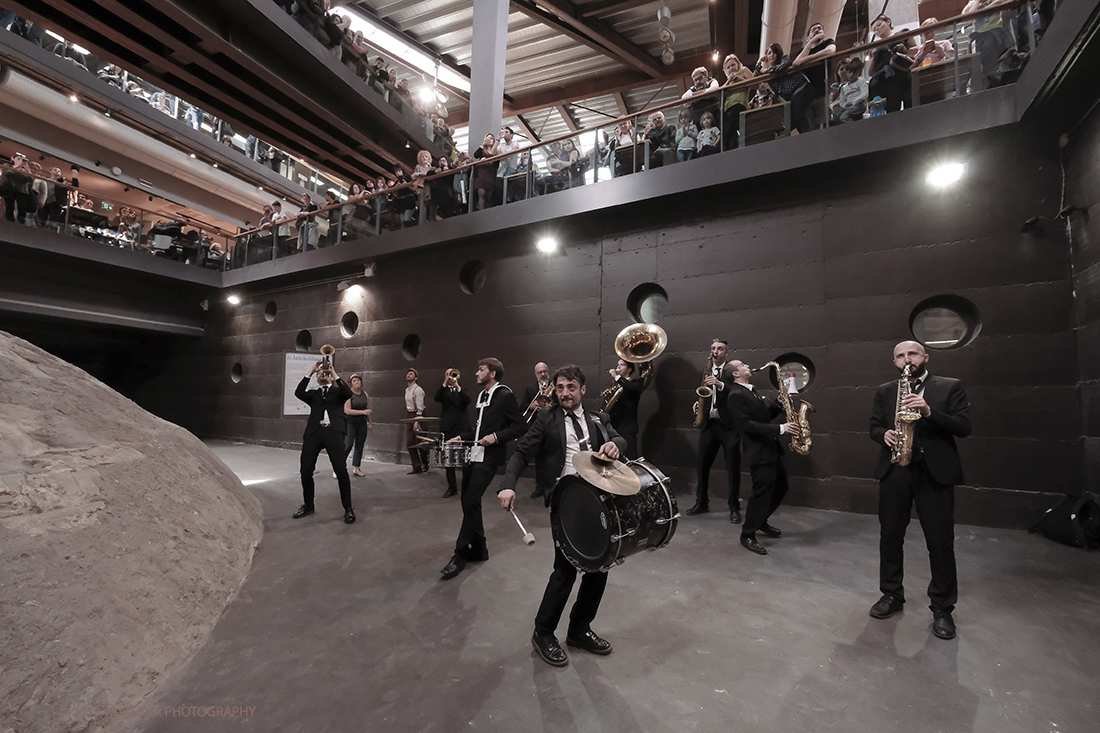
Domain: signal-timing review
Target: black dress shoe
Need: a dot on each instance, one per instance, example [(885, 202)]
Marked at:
[(886, 607), (537, 493), (697, 509), (303, 511), (454, 567), (349, 516), (770, 531), (735, 516), (944, 625), (590, 643), (451, 491), (478, 554), (549, 649), (415, 470), (749, 543)]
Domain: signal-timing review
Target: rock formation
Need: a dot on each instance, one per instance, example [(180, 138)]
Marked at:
[(122, 538)]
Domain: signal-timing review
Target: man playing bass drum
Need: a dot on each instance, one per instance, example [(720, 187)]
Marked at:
[(555, 436)]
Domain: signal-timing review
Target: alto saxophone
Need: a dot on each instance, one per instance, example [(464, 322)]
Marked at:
[(902, 452), (800, 443), (704, 393)]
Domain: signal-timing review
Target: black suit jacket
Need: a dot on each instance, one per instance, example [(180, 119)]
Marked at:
[(454, 420), (545, 442), (752, 416), (338, 394), (724, 415), (933, 436), (503, 417), (624, 413)]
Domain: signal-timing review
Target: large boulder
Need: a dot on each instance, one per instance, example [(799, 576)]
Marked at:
[(122, 538)]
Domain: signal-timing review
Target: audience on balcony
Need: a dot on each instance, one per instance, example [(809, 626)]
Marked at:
[(710, 138), (687, 136), (990, 40), (701, 83), (662, 140), (793, 86), (932, 51), (737, 100), (15, 188), (890, 67), (485, 174), (848, 96)]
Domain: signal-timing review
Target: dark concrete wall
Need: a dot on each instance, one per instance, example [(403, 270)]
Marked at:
[(1082, 157), (828, 262)]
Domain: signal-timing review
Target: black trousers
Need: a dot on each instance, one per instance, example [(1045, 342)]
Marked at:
[(471, 536), (452, 478), (903, 487), (631, 445), (769, 487), (712, 437), (333, 443), (557, 595)]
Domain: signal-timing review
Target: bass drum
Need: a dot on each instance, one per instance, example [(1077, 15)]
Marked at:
[(596, 530)]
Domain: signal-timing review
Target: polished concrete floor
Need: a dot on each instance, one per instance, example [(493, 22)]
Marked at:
[(349, 627)]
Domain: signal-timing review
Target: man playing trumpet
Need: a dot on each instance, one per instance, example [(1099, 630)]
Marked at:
[(453, 422), (326, 429)]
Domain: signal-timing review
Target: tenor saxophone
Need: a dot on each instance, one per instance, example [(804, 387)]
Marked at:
[(800, 443), (902, 452), (704, 393)]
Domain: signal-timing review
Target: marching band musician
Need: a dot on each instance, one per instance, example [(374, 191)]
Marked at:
[(752, 416), (928, 481), (716, 432), (554, 437), (624, 413), (542, 379), (498, 421), (414, 407), (453, 422), (325, 428)]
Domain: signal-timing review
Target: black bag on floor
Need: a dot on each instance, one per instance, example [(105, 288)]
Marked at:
[(1075, 521)]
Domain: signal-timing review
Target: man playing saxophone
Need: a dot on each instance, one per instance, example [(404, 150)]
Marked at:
[(927, 479), (716, 431), (752, 415)]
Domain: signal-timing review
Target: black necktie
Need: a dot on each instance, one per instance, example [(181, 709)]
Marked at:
[(324, 392), (581, 441)]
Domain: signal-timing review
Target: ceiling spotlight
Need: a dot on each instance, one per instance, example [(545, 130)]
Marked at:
[(945, 174), (72, 97), (370, 270), (667, 56), (126, 189), (665, 34), (547, 245), (407, 146), (192, 155), (716, 54), (426, 94), (233, 300), (215, 165), (261, 188), (107, 113), (150, 198)]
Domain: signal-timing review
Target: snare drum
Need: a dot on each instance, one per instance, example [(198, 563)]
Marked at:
[(453, 455), (596, 530)]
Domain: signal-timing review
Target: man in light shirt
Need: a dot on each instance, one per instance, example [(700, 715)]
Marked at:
[(414, 407)]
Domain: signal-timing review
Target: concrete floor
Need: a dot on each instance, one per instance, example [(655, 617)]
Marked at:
[(349, 628)]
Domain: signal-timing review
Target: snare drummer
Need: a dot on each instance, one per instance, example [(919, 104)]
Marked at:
[(555, 435), (454, 421), (498, 420)]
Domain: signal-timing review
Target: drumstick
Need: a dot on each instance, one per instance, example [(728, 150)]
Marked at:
[(527, 536)]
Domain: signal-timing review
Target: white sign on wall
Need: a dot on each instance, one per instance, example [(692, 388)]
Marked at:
[(295, 366)]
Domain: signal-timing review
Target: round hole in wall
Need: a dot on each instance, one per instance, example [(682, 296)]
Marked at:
[(945, 322), (236, 373), (796, 369), (410, 347), (472, 276), (647, 302), (270, 310), (349, 324), (303, 341)]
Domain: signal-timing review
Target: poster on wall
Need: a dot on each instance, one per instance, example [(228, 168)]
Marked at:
[(295, 366)]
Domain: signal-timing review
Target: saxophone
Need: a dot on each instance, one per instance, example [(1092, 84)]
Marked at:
[(704, 393), (902, 452), (801, 443)]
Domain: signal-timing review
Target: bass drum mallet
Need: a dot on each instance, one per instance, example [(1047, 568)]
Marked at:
[(528, 538)]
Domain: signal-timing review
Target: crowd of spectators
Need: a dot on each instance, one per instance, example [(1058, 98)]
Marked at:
[(49, 200)]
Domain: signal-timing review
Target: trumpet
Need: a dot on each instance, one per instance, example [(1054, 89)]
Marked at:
[(452, 378), (327, 352)]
